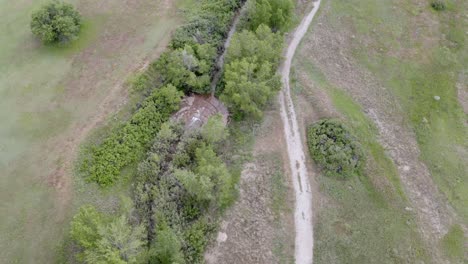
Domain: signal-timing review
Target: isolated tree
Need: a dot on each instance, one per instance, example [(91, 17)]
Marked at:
[(335, 150), (56, 22)]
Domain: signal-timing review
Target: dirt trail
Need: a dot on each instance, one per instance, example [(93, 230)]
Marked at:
[(304, 241)]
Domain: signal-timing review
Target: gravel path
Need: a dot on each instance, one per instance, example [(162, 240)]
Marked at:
[(304, 242)]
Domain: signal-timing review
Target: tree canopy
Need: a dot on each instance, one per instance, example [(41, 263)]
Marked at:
[(56, 22), (276, 14)]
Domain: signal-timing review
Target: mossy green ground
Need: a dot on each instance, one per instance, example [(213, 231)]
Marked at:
[(41, 99)]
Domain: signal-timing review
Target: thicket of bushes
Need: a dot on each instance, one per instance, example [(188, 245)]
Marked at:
[(187, 67), (102, 163), (250, 79), (179, 189), (334, 149), (276, 14), (182, 185), (56, 22)]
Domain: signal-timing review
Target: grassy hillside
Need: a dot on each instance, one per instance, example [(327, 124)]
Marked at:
[(48, 94), (420, 57)]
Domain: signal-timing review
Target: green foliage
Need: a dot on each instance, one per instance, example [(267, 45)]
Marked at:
[(85, 225), (105, 241), (248, 87), (263, 45), (208, 23), (276, 14), (188, 68), (214, 130), (167, 248), (196, 237), (56, 22), (334, 148), (438, 5), (181, 180), (125, 145), (250, 78)]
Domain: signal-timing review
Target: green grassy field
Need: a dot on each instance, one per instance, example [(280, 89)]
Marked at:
[(428, 65), (363, 219), (418, 53), (48, 92)]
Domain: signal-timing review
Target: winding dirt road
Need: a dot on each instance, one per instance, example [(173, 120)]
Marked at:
[(304, 242)]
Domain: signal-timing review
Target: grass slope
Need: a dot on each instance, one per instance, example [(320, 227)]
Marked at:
[(363, 219), (429, 62), (46, 91)]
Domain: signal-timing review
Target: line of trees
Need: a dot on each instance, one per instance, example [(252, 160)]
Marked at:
[(179, 188), (187, 67), (181, 184), (250, 79)]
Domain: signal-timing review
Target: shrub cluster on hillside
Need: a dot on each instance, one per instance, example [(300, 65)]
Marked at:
[(187, 67), (334, 149), (178, 189), (250, 77), (276, 14), (56, 22), (104, 162)]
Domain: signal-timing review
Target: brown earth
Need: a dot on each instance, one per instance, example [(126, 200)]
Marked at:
[(251, 230)]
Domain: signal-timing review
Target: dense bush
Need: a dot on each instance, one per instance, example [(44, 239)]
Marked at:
[(105, 240), (276, 14), (250, 78), (334, 149), (56, 22), (181, 181), (438, 5), (103, 162), (208, 23), (188, 68)]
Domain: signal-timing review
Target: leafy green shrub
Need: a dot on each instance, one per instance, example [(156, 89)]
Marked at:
[(209, 23), (276, 14), (438, 5), (105, 240), (188, 68), (334, 148), (104, 162), (250, 78), (56, 22), (179, 184)]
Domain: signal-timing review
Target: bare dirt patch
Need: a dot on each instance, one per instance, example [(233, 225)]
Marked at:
[(257, 228)]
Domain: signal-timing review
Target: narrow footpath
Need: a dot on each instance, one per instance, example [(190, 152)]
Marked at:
[(304, 242)]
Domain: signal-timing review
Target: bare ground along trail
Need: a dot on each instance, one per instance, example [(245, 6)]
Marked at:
[(304, 241)]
